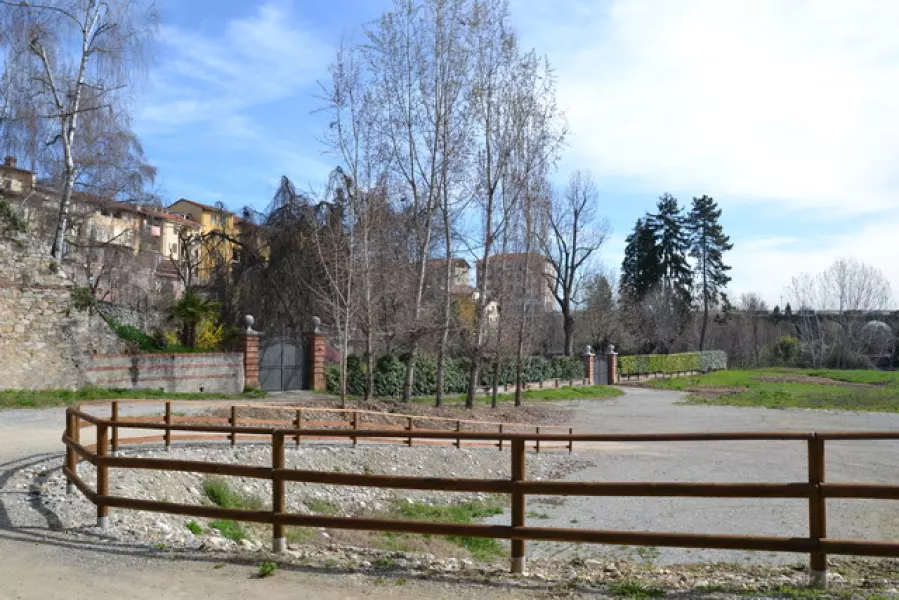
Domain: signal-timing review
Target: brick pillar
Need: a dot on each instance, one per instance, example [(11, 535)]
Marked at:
[(612, 359), (248, 345), (589, 365), (316, 352)]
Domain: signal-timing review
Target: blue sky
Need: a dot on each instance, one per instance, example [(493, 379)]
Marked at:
[(784, 110)]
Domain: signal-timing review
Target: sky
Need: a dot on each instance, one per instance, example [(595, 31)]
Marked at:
[(785, 111)]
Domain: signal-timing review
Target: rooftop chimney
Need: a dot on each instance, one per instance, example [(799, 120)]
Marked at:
[(9, 161)]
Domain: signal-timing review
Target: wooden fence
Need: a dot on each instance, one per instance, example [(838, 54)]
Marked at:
[(815, 490)]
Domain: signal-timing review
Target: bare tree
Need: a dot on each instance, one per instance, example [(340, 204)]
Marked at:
[(833, 306), (412, 52), (573, 236), (70, 58)]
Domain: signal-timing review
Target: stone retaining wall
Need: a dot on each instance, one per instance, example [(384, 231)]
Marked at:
[(211, 373), (44, 341)]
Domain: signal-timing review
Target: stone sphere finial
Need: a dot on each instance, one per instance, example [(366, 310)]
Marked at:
[(588, 349), (611, 349), (316, 325), (248, 321)]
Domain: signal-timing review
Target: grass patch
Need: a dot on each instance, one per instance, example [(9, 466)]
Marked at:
[(538, 515), (635, 589), (220, 493), (584, 392), (321, 507), (466, 513), (231, 530), (298, 535), (267, 569), (194, 527), (873, 390), (47, 398)]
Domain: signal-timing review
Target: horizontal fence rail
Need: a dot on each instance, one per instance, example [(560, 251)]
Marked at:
[(815, 490)]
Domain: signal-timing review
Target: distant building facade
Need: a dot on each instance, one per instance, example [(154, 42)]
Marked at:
[(519, 275)]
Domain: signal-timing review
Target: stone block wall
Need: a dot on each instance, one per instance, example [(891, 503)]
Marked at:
[(44, 341), (211, 373)]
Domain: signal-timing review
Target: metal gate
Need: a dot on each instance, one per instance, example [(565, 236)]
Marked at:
[(282, 365), (601, 372)]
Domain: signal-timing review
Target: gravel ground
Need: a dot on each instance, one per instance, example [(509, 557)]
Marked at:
[(45, 486), (647, 411)]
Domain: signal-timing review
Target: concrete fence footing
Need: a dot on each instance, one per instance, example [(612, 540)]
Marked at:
[(103, 523), (279, 544)]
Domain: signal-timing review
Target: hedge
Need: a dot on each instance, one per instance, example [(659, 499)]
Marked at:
[(644, 364), (390, 371)]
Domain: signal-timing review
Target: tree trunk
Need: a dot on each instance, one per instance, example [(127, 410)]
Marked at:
[(473, 374), (519, 366), (569, 332), (495, 383), (62, 222)]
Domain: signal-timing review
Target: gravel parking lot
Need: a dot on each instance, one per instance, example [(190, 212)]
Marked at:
[(643, 410)]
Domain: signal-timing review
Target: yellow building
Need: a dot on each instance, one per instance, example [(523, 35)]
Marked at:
[(216, 250)]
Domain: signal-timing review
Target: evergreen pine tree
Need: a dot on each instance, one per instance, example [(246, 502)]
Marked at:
[(708, 245), (640, 270), (668, 226)]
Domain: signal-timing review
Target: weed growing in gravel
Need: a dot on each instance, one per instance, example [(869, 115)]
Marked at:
[(798, 592), (267, 569), (231, 530), (648, 553), (321, 507), (298, 535), (384, 563), (331, 563), (468, 512), (160, 546), (194, 527), (538, 515), (220, 493), (635, 589)]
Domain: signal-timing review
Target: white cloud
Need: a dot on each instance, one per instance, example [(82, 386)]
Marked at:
[(262, 58), (766, 265), (783, 101)]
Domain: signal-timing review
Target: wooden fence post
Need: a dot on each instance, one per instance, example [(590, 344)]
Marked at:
[(355, 427), (570, 441), (115, 429), (409, 428), (500, 439), (279, 541), (168, 421), (298, 423), (537, 445), (232, 421), (817, 512), (518, 504), (458, 429), (71, 463), (102, 477), (76, 435)]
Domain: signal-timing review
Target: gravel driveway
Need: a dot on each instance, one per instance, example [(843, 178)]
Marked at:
[(644, 411)]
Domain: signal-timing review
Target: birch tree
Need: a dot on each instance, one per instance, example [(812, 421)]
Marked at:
[(70, 58)]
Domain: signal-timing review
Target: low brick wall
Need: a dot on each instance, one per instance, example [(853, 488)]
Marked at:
[(212, 373)]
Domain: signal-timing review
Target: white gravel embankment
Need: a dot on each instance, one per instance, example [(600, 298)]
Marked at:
[(47, 486)]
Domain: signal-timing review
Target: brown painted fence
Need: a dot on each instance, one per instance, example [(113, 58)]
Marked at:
[(815, 490)]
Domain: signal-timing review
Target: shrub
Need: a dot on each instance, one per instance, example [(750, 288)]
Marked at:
[(567, 367), (642, 364), (267, 569), (194, 527), (210, 334), (389, 375)]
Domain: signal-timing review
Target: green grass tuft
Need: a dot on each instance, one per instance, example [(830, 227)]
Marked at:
[(194, 527), (320, 506), (267, 569), (635, 589), (468, 512), (220, 493), (231, 530)]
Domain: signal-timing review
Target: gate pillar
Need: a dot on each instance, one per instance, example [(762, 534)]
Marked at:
[(316, 352), (248, 345)]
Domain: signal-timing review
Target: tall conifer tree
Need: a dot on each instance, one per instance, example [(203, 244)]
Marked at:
[(708, 245)]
